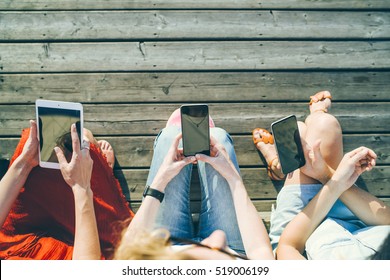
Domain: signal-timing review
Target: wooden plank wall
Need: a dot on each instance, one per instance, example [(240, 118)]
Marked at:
[(131, 63)]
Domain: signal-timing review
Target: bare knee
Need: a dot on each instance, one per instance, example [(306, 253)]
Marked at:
[(89, 136), (327, 128), (323, 122)]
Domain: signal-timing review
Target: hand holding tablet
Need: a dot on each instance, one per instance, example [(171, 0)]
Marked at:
[(54, 119)]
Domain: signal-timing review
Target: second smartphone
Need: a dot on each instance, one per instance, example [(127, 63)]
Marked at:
[(288, 144), (195, 129)]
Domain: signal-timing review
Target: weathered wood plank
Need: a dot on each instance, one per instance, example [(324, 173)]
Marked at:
[(194, 55), (152, 25), (194, 87), (190, 4), (137, 152), (148, 119), (261, 205), (256, 181)]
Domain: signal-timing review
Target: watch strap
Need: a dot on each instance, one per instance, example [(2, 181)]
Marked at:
[(154, 193)]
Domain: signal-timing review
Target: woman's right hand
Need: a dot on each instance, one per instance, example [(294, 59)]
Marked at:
[(173, 163), (353, 165), (219, 159), (78, 171)]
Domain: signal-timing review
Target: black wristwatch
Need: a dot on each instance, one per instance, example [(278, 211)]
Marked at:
[(154, 193)]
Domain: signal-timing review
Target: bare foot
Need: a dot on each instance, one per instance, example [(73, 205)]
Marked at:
[(264, 143), (108, 151), (320, 102)]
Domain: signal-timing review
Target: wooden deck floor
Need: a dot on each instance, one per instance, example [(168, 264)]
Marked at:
[(131, 63)]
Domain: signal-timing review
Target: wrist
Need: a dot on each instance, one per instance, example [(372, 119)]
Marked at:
[(79, 190), (235, 183), (335, 187), (149, 191), (23, 166), (327, 176), (159, 184)]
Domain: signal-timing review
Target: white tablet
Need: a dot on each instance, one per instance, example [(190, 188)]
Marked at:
[(54, 119)]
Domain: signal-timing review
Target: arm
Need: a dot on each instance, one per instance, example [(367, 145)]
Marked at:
[(77, 174), (252, 229), (364, 205), (254, 234), (17, 174), (294, 237), (173, 162), (368, 208)]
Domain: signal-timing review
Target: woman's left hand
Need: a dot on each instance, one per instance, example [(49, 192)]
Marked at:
[(315, 166), (29, 154)]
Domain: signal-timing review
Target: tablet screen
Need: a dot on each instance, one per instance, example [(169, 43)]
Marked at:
[(54, 130)]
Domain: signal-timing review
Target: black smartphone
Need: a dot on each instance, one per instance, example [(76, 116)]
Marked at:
[(195, 129), (288, 144)]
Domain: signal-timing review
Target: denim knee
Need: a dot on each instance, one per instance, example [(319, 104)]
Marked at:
[(221, 135)]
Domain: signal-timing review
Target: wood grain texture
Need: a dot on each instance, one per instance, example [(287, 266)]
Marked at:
[(222, 55), (148, 119), (132, 62), (152, 25), (261, 205), (190, 4), (185, 87), (137, 152), (258, 185)]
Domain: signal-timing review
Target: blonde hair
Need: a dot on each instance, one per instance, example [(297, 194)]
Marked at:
[(147, 246)]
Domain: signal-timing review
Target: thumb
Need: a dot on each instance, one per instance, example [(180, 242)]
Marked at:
[(60, 156), (203, 158), (33, 130), (189, 160)]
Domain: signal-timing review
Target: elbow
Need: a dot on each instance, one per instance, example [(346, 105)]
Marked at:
[(264, 253), (287, 252)]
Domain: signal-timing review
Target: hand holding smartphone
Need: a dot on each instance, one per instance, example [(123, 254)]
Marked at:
[(195, 129), (288, 144)]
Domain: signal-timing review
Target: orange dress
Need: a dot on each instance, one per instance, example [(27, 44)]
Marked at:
[(41, 223)]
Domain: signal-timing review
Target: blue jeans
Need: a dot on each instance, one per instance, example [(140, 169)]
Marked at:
[(217, 209), (340, 236)]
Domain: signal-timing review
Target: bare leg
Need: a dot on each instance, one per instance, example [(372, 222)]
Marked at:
[(88, 134), (105, 147), (320, 125)]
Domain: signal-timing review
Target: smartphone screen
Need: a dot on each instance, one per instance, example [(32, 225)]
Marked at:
[(288, 144), (195, 129)]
